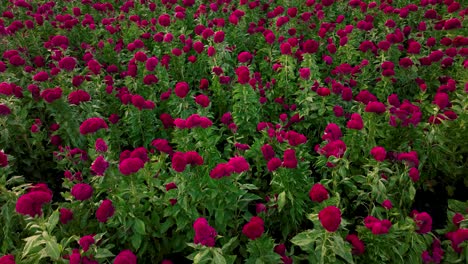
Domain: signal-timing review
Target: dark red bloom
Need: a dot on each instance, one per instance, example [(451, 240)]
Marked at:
[(375, 107), (125, 257), (378, 153), (318, 193), (7, 259), (67, 63), (41, 76), (358, 246), (91, 125), (179, 161), (244, 56), (3, 159), (330, 218), (31, 203), (267, 151), (355, 122), (105, 211), (171, 186), (221, 170), (85, 242), (289, 159), (441, 100), (202, 100), (457, 237), (66, 215), (204, 233), (254, 228), (239, 164), (162, 145), (424, 222), (335, 148), (82, 191), (100, 145), (411, 158), (99, 166), (131, 165), (52, 94), (332, 132), (243, 74), (274, 163), (78, 96), (181, 89)]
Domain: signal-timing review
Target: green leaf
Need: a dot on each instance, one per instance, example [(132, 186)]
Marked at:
[(53, 221), (306, 239), (139, 226), (217, 257), (136, 241), (340, 249), (31, 243), (281, 201), (53, 249), (102, 253), (230, 245), (202, 256)]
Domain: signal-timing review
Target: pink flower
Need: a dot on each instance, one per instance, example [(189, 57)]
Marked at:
[(82, 191), (92, 125), (358, 246), (375, 107), (66, 215), (335, 148), (289, 159), (414, 174), (179, 161), (355, 122), (423, 221), (244, 56), (99, 166), (67, 63), (181, 89), (31, 203), (204, 233), (78, 96), (131, 165), (100, 145), (378, 153), (105, 211), (274, 163), (387, 204), (41, 76), (3, 159), (332, 132), (52, 94), (7, 259), (202, 100), (221, 170), (318, 193), (254, 228), (85, 242), (330, 218), (125, 257), (162, 145), (239, 164)]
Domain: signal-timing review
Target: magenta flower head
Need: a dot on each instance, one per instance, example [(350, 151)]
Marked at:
[(91, 125), (31, 203), (105, 211), (318, 193), (330, 218), (52, 94), (181, 89), (423, 221), (254, 228), (378, 153), (125, 257), (7, 259), (204, 233), (82, 191), (131, 165)]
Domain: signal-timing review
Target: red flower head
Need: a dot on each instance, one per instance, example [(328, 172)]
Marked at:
[(162, 145), (125, 257), (318, 193), (91, 125), (99, 166), (243, 74), (358, 246), (355, 122), (7, 259), (289, 159), (441, 100), (330, 218), (179, 161), (274, 163), (100, 145), (105, 211), (267, 151), (375, 107), (67, 63), (82, 191), (31, 202), (78, 96), (204, 233), (244, 56), (66, 215), (3, 159), (41, 76), (50, 95), (181, 89), (254, 228), (239, 164), (335, 148), (387, 204), (221, 170), (85, 242), (131, 165), (332, 132), (202, 100), (424, 222), (378, 153)]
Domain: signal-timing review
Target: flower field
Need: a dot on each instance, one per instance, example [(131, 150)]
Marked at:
[(246, 131)]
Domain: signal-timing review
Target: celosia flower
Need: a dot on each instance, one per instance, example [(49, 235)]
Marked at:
[(202, 100), (239, 164), (358, 246), (274, 163), (3, 159), (289, 159), (355, 122), (105, 211), (375, 107), (52, 94), (85, 242), (221, 170), (82, 191), (131, 165), (330, 218), (332, 132), (387, 204), (125, 257), (204, 233), (162, 145), (31, 203), (179, 162), (378, 153), (99, 166), (7, 259), (318, 193), (91, 125), (181, 89), (423, 221), (66, 215), (254, 228), (335, 148)]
